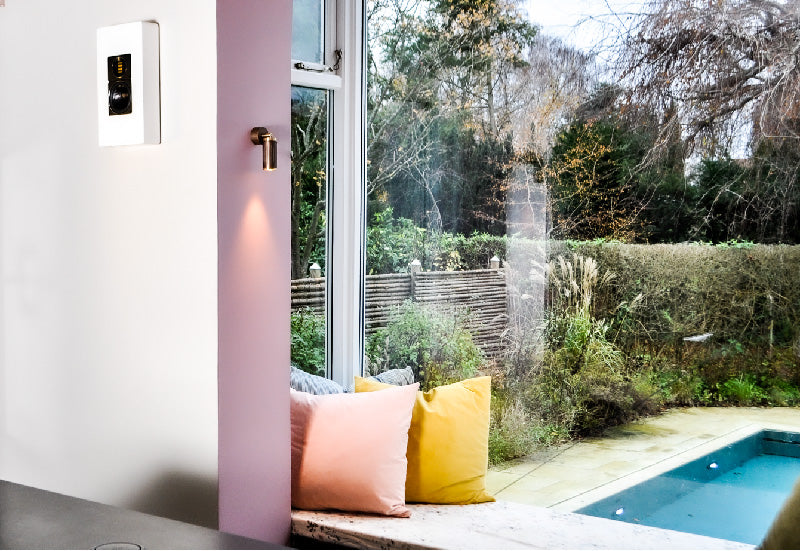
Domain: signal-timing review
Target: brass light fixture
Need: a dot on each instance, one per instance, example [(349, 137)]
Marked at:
[(263, 137)]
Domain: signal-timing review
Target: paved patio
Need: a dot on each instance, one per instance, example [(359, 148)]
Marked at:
[(570, 476)]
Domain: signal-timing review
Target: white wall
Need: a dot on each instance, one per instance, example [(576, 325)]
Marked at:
[(108, 258)]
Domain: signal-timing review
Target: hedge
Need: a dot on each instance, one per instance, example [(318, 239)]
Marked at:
[(746, 294), (742, 292)]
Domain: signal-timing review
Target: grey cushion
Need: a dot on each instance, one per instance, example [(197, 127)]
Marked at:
[(313, 384), (397, 377)]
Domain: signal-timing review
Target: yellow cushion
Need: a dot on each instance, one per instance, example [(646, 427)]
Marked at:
[(448, 442)]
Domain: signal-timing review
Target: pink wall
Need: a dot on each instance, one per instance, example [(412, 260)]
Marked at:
[(253, 87)]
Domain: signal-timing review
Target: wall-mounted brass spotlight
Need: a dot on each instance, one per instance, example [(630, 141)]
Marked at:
[(263, 137)]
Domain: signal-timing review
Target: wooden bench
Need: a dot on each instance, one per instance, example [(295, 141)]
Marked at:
[(499, 525)]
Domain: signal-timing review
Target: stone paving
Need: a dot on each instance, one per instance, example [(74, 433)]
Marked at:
[(567, 477)]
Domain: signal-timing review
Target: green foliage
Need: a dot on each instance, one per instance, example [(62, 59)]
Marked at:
[(589, 183), (670, 213), (682, 387), (440, 133), (780, 393), (747, 295), (392, 243), (757, 200), (742, 293), (514, 431), (721, 182), (434, 343), (308, 341), (614, 175), (511, 429), (741, 391), (309, 179), (585, 383)]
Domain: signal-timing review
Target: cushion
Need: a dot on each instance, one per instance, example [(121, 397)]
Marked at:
[(349, 450), (403, 376), (313, 384), (448, 442), (784, 533)]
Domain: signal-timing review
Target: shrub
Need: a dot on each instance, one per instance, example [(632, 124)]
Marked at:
[(586, 383), (682, 387), (392, 244), (511, 430), (516, 429), (432, 341), (741, 391), (308, 341), (782, 393)]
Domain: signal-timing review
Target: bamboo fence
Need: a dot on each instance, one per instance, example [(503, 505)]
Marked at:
[(479, 294)]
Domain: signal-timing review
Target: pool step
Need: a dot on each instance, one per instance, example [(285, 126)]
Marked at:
[(781, 443)]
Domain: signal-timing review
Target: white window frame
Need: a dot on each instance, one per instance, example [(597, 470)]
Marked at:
[(346, 194)]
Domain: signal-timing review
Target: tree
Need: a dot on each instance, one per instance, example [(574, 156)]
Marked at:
[(776, 167), (557, 80), (726, 69), (309, 166), (439, 123), (719, 183), (754, 200), (477, 45), (589, 189), (608, 180), (717, 62)]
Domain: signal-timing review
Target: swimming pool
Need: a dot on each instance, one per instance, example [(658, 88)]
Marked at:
[(732, 493)]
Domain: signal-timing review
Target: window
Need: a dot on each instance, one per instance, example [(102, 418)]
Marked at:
[(489, 139), (447, 189), (493, 205), (327, 181)]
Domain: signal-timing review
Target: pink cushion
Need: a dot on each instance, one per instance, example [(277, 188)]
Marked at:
[(349, 450)]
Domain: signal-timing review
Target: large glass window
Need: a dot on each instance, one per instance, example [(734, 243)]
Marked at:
[(605, 235), (327, 187)]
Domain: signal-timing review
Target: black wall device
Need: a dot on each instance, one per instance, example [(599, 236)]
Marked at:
[(119, 85)]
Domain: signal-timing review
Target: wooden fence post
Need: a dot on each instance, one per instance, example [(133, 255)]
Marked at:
[(414, 268)]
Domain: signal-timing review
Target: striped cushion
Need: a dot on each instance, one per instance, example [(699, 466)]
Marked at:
[(313, 384), (397, 377)]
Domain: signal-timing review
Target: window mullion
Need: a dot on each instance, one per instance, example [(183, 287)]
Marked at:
[(347, 206)]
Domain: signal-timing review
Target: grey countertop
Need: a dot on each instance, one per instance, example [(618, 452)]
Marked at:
[(37, 519)]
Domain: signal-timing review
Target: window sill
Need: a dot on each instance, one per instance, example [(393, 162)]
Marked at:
[(500, 525)]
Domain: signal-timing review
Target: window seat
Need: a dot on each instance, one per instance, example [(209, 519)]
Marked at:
[(499, 525)]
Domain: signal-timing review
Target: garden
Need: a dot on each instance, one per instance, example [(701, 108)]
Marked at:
[(627, 330), (645, 208)]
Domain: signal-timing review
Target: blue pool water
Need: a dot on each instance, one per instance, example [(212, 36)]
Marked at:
[(733, 493)]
